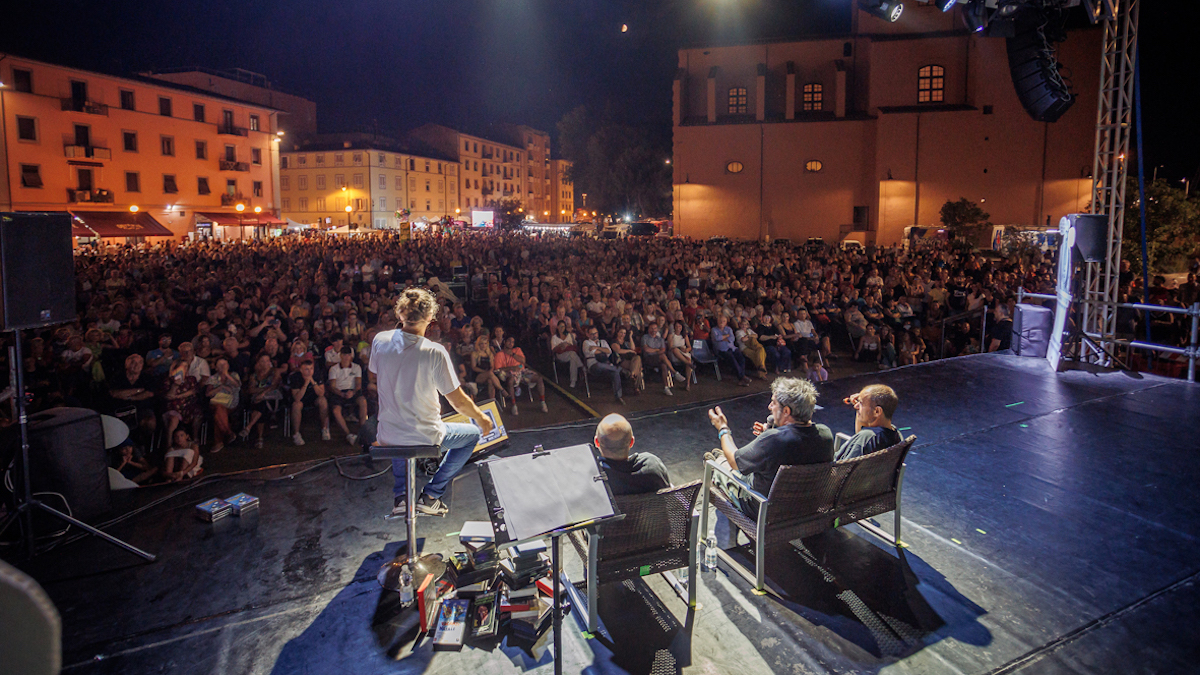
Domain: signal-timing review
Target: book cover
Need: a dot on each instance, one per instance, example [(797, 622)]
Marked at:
[(452, 625), (476, 532), (484, 615)]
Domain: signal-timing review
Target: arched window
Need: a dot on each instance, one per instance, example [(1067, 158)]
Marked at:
[(931, 84), (814, 96), (737, 101)]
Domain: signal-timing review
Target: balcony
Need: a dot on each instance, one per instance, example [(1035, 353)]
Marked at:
[(232, 131), (507, 193), (234, 166), (89, 107), (86, 151), (486, 191), (89, 196), (487, 155), (229, 200)]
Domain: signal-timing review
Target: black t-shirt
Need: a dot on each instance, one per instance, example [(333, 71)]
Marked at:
[(296, 380), (867, 441), (783, 446), (641, 473), (1002, 330)]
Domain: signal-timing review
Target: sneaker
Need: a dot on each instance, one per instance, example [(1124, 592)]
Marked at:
[(325, 434), (216, 448), (620, 400), (352, 439), (244, 435), (668, 392), (514, 409), (400, 507), (713, 456), (258, 444), (432, 506), (297, 438), (544, 408)]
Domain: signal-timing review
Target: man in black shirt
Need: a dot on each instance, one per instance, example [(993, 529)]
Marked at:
[(873, 428), (794, 439), (628, 473)]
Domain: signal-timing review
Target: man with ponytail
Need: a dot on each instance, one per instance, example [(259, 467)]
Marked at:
[(411, 371)]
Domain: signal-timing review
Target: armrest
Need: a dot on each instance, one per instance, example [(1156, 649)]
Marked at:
[(727, 472), (839, 439)]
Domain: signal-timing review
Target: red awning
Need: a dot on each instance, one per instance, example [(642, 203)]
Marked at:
[(119, 224), (220, 218), (265, 219)]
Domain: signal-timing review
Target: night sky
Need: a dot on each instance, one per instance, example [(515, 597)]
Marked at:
[(391, 65)]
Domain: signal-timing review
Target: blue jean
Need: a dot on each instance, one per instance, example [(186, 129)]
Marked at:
[(610, 371), (780, 357), (457, 447), (735, 358)]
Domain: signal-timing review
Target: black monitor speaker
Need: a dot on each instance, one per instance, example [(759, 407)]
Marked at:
[(37, 270), (1091, 235)]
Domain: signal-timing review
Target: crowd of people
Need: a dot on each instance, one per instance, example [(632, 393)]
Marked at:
[(218, 341)]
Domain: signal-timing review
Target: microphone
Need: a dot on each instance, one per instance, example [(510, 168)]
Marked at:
[(770, 423)]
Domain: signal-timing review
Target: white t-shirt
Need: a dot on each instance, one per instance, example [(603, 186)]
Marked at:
[(343, 378), (411, 371)]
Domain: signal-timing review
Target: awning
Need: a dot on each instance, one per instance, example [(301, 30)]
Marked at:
[(267, 219), (119, 224), (219, 218)]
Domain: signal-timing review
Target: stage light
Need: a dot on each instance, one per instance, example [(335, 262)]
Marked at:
[(948, 5), (888, 10), (975, 15)]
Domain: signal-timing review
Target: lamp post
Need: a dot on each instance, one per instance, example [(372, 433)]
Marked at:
[(257, 211), (241, 225)]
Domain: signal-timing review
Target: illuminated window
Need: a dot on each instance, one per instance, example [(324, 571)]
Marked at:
[(737, 101), (814, 96), (734, 167), (813, 165), (931, 84)]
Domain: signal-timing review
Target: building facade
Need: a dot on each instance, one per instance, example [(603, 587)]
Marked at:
[(863, 135), (562, 191), (297, 115), (374, 176), (128, 154)]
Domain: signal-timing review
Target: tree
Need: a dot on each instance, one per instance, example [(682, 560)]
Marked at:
[(509, 214), (1172, 227), (964, 219), (616, 165)]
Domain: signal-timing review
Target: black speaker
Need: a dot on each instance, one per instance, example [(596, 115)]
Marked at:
[(1035, 73), (37, 271), (1031, 330), (67, 456), (1091, 235)]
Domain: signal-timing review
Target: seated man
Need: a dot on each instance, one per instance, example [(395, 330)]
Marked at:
[(307, 392), (510, 361), (726, 346), (628, 473), (794, 439), (345, 379), (873, 428), (598, 354)]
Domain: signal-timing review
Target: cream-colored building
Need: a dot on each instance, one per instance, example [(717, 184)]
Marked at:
[(562, 191), (134, 157), (297, 115), (374, 176)]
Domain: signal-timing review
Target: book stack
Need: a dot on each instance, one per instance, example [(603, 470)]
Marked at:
[(213, 510), (525, 565), (242, 503)]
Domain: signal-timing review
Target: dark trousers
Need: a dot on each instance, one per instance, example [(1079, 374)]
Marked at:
[(734, 357)]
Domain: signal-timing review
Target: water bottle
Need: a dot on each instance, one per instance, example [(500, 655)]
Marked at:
[(406, 586), (710, 552), (682, 576)]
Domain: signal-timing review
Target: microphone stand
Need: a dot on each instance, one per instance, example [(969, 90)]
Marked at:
[(26, 502)]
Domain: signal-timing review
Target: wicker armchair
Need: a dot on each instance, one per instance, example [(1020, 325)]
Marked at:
[(809, 499), (658, 534)]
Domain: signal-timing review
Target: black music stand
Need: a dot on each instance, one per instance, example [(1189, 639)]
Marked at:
[(547, 494), (409, 453)]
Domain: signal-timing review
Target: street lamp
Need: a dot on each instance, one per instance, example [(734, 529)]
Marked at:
[(133, 208), (241, 226)]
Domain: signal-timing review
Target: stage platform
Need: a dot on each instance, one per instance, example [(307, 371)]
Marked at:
[(1051, 524)]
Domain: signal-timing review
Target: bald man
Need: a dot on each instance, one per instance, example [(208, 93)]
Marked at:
[(628, 473)]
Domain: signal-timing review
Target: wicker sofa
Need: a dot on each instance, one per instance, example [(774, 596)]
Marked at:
[(809, 499)]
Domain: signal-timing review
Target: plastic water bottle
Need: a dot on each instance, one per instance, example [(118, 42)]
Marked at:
[(406, 586), (710, 552), (682, 576)]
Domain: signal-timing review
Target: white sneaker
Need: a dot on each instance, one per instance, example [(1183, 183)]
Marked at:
[(352, 439), (668, 392), (325, 434), (514, 410), (297, 439), (544, 408)]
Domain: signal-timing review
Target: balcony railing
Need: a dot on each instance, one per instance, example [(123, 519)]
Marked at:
[(89, 107), (234, 166), (486, 191), (96, 196), (229, 200), (232, 131), (88, 151)]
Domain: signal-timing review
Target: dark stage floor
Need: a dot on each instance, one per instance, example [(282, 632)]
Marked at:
[(1051, 523)]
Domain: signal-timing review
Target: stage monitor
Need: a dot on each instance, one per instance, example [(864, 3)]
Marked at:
[(492, 441)]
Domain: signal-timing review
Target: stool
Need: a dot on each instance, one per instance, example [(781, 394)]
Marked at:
[(409, 453)]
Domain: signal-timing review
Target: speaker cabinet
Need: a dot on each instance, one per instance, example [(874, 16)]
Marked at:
[(67, 456), (1031, 330), (1035, 74), (1091, 235), (37, 271)]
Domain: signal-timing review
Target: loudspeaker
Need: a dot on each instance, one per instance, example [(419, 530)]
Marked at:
[(1035, 73), (37, 271), (1091, 235), (1031, 330), (67, 456)]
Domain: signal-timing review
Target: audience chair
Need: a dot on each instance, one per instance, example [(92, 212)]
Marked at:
[(702, 353)]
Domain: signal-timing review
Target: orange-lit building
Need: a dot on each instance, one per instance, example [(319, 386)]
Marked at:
[(562, 191), (98, 146), (863, 135)]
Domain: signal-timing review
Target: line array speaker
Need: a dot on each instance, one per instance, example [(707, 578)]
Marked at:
[(1035, 75)]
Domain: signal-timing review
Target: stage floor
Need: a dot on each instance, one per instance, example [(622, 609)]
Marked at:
[(1051, 523)]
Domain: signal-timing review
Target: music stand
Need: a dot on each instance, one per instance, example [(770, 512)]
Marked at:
[(547, 493)]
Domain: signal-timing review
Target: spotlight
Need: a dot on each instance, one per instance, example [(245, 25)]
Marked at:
[(888, 10), (975, 15), (948, 5)]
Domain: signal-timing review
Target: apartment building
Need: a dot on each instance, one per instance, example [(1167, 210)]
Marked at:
[(562, 191), (134, 157), (491, 170), (364, 180), (297, 115), (859, 136)]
